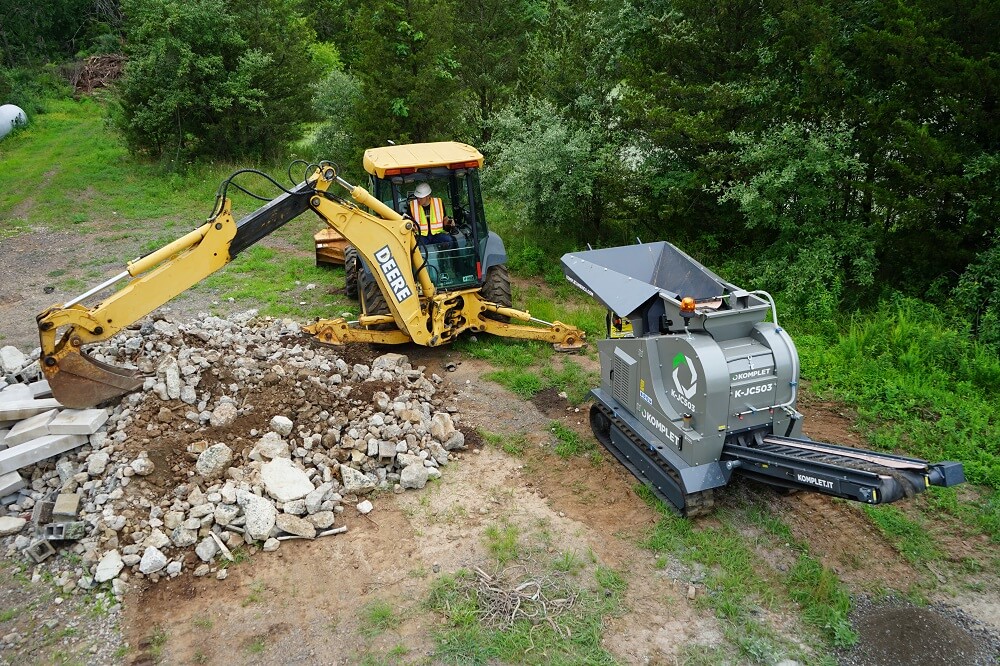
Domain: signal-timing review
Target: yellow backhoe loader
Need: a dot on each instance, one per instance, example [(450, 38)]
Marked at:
[(410, 290)]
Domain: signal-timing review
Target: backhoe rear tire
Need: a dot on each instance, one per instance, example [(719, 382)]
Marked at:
[(496, 289), (372, 300), (352, 267)]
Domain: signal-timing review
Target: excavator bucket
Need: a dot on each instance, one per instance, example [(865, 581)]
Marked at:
[(79, 381), (330, 247)]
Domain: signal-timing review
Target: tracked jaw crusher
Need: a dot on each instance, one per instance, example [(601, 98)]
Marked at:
[(706, 388)]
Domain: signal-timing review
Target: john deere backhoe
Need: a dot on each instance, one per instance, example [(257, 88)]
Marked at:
[(410, 291)]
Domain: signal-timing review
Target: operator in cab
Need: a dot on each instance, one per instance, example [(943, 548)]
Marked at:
[(428, 212)]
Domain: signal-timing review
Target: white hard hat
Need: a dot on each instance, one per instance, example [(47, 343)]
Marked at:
[(423, 190)]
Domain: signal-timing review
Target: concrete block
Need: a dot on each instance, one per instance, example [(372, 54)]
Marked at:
[(38, 449), (31, 428), (10, 483), (3, 436), (40, 550), (16, 392), (22, 409), (42, 513), (67, 506), (40, 389), (78, 421), (65, 531)]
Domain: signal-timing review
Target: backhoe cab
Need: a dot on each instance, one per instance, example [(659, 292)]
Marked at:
[(474, 257), (410, 291)]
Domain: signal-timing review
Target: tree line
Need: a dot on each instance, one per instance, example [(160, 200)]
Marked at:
[(832, 150)]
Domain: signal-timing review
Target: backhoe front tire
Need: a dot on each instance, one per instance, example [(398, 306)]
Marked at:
[(496, 289), (372, 300), (352, 267)]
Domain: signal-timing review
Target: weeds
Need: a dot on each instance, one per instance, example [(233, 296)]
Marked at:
[(378, 617), (502, 542), (513, 445), (569, 442), (824, 601), (909, 537), (257, 589)]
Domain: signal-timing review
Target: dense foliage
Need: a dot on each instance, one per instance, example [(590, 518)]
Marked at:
[(837, 152), (204, 78)]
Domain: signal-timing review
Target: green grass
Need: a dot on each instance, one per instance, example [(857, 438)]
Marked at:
[(377, 617), (824, 601), (68, 169), (256, 596), (908, 536), (157, 640), (275, 281), (741, 586), (502, 542), (514, 445), (920, 387), (569, 443), (257, 645)]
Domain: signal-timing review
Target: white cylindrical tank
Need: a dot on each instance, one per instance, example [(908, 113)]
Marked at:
[(10, 116)]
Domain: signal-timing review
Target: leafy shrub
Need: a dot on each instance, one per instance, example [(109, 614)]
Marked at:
[(794, 192), (544, 165), (214, 77)]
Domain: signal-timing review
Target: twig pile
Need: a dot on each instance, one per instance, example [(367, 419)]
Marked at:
[(97, 71), (502, 602)]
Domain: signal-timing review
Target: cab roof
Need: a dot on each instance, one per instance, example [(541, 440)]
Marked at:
[(394, 160)]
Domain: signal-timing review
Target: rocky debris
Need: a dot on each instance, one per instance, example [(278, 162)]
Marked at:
[(152, 560), (109, 567), (256, 438), (214, 461), (11, 525)]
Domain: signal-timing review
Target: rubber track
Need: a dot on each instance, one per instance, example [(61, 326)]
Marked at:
[(695, 504)]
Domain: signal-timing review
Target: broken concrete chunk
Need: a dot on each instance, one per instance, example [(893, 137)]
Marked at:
[(73, 531), (78, 421), (260, 514), (30, 428), (295, 525), (16, 392), (40, 389), (97, 462), (214, 461), (15, 410), (11, 525), (223, 415), (413, 476), (152, 561), (66, 506), (355, 482), (40, 550), (109, 567), (282, 425), (11, 482), (283, 481), (37, 450), (12, 359)]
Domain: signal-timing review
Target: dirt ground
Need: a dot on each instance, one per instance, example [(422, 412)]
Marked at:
[(305, 603)]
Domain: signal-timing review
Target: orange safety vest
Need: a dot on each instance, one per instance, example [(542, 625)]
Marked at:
[(436, 225)]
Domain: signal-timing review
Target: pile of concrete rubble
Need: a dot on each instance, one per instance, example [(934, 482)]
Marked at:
[(244, 436)]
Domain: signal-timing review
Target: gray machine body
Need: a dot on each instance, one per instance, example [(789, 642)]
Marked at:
[(688, 382)]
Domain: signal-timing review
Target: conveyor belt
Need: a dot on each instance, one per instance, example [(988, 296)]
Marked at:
[(856, 474)]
